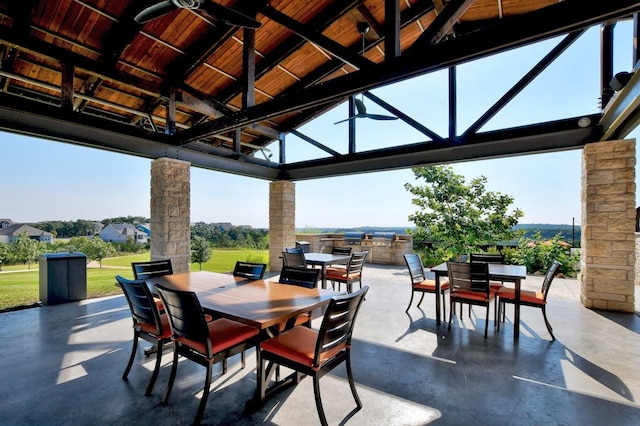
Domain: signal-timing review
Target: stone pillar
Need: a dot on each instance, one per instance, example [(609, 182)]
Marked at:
[(170, 212), (282, 220), (608, 225)]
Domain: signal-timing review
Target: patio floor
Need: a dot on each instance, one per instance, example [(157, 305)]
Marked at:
[(63, 365)]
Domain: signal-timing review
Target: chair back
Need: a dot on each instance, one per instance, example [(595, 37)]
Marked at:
[(303, 277), (548, 278), (186, 318), (337, 325), (416, 268), (356, 263), (296, 249), (294, 260), (341, 250), (141, 303), (469, 277), (249, 270), (154, 268), (487, 258)]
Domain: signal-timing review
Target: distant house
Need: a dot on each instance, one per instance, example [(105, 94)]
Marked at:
[(9, 232), (222, 226), (119, 232), (144, 227)]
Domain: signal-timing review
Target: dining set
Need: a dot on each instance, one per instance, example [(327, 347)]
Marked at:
[(208, 317), (480, 280)]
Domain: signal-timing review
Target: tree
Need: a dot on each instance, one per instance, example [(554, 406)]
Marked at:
[(200, 250), (6, 255), (26, 250), (458, 216), (94, 248)]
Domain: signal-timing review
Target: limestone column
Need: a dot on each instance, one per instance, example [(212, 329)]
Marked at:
[(608, 225), (282, 223), (170, 212)]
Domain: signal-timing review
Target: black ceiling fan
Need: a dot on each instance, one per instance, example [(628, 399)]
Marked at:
[(362, 113), (214, 10), (363, 28)]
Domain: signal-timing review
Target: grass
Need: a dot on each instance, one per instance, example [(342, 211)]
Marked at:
[(20, 289)]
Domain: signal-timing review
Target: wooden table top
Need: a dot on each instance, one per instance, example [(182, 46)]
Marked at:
[(261, 303)]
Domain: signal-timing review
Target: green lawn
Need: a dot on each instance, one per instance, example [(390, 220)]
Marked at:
[(20, 289)]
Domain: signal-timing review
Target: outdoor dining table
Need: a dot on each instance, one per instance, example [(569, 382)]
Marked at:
[(261, 303), (324, 259), (497, 272)]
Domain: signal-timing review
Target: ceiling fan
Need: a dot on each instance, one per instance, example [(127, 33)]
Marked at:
[(214, 10), (363, 28), (362, 113)]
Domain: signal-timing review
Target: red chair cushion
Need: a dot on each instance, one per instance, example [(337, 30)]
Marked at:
[(495, 285), (299, 345), (336, 270), (473, 295), (532, 297), (430, 285), (224, 333), (341, 275), (151, 328)]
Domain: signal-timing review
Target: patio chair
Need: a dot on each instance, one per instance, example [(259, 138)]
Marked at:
[(495, 258), (420, 283), (307, 278), (536, 299), (345, 251), (148, 323), (351, 274), (295, 260), (469, 283), (205, 343), (316, 352), (153, 268), (249, 270)]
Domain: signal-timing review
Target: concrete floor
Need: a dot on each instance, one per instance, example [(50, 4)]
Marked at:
[(63, 364)]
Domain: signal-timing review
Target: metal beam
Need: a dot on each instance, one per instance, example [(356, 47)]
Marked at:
[(443, 24), (622, 114), (547, 137)]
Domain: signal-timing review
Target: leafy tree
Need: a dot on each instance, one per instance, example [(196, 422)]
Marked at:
[(538, 253), (94, 248), (200, 250), (458, 216), (26, 250), (6, 255)]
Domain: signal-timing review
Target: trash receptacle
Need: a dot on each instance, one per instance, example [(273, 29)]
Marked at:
[(304, 245), (63, 277)]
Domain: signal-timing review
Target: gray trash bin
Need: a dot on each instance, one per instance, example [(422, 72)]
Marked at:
[(63, 277)]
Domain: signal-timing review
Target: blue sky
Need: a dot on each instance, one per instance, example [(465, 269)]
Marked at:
[(47, 180)]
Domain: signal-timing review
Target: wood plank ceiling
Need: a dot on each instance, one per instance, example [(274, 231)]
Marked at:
[(186, 85)]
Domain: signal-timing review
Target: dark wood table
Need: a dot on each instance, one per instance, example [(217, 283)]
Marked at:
[(261, 303), (324, 259), (497, 272)]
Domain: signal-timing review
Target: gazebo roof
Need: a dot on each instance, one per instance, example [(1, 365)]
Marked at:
[(184, 85)]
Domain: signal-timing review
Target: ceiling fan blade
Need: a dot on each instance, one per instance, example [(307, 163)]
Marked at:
[(380, 117), (228, 16), (155, 11), (360, 106), (347, 119)]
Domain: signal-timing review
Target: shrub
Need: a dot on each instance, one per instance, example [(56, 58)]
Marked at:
[(538, 254)]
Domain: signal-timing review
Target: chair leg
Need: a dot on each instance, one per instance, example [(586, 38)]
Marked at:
[(224, 366), (352, 384), (486, 322), (546, 322), (172, 376), (205, 396), (156, 370), (451, 305), (500, 306), (421, 297), (316, 392), (444, 307), (242, 359), (132, 356), (410, 300)]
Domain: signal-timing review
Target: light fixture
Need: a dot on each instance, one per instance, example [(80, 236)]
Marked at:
[(584, 122), (620, 80)]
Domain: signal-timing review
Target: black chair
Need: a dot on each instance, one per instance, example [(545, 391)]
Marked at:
[(535, 299), (316, 352), (351, 274), (249, 270), (205, 343), (154, 268), (420, 283), (470, 284), (294, 260), (495, 258), (344, 251), (148, 323), (304, 277)]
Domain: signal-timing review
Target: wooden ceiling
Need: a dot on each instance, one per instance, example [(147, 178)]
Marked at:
[(187, 86)]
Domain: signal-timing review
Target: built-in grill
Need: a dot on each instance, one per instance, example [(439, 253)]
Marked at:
[(353, 238), (383, 239)]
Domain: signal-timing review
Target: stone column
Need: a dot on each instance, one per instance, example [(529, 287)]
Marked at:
[(608, 225), (282, 220), (170, 212)]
